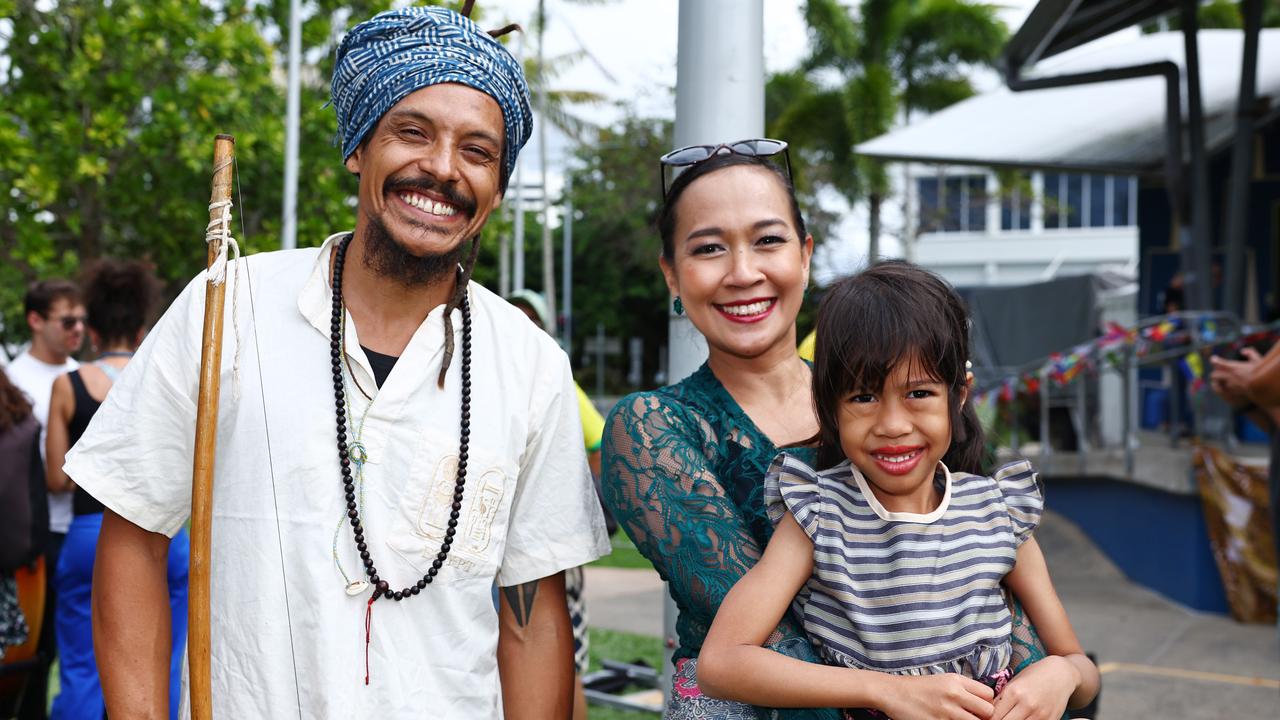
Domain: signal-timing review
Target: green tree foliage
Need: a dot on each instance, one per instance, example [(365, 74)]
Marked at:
[(617, 282), (108, 110), (867, 68), (1218, 15), (107, 117)]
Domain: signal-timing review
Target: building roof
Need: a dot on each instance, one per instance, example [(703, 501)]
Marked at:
[(1055, 26), (1109, 127)]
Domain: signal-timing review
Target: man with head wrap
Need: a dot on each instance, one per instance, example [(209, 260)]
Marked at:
[(358, 534)]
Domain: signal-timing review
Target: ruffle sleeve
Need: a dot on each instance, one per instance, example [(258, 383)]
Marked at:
[(1023, 493), (791, 485)]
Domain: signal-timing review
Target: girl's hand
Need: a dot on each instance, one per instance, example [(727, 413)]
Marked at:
[(1038, 693), (938, 697)]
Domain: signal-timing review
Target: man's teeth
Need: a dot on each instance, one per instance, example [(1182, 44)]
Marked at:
[(425, 205), (754, 308), (897, 458)]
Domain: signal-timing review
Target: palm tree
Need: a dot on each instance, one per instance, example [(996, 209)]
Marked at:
[(889, 59)]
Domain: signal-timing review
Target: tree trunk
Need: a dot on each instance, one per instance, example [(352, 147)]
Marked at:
[(874, 201)]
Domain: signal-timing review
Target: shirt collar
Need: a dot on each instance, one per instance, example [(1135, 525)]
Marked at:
[(885, 514), (315, 301)]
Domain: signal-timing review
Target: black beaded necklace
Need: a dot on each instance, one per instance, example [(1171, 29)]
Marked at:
[(381, 588)]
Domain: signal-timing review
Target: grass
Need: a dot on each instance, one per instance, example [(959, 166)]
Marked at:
[(625, 647), (624, 555)]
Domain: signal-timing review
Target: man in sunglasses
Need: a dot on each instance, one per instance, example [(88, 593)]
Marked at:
[(56, 317)]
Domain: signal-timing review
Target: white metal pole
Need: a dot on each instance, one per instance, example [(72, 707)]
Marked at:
[(517, 253), (548, 254), (515, 185), (289, 230), (719, 98), (566, 307), (504, 256)]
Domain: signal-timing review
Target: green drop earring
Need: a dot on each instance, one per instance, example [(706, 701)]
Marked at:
[(678, 306)]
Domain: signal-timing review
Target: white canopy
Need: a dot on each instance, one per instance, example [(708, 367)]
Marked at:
[(1110, 127)]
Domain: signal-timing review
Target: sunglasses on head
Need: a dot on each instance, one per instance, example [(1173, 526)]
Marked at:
[(694, 154)]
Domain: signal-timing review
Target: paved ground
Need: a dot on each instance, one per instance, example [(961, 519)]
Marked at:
[(1159, 660)]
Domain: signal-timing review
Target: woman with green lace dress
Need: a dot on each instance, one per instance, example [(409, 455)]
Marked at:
[(684, 465)]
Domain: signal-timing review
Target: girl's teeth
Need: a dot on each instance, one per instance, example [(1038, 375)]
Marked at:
[(897, 458), (747, 310)]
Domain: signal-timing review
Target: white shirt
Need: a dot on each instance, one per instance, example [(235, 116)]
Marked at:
[(35, 378), (529, 509)]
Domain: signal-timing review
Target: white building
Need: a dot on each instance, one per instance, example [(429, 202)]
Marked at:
[(976, 227)]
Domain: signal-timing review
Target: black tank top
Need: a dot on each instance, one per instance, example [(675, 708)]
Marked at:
[(82, 503)]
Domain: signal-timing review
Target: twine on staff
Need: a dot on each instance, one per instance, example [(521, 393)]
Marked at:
[(219, 230)]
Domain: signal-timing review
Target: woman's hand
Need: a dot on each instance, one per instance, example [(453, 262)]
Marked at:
[(1040, 692), (938, 697)]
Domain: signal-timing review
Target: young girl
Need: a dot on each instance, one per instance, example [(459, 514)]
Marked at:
[(894, 554)]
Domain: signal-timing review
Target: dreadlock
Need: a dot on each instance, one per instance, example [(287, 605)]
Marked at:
[(470, 5), (460, 292), (459, 295)]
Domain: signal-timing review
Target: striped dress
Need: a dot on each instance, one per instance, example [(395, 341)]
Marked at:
[(904, 593)]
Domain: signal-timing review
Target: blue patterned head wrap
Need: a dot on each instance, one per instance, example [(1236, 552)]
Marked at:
[(385, 59)]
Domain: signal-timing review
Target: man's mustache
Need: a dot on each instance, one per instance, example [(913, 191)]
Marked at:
[(425, 184)]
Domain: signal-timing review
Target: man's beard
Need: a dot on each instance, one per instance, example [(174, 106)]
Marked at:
[(390, 260)]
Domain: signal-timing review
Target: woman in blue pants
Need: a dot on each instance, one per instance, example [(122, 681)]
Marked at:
[(118, 298)]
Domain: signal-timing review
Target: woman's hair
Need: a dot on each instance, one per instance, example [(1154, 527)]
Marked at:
[(118, 298), (667, 214), (14, 407), (890, 313)]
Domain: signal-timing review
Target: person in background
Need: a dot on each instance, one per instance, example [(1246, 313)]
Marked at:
[(56, 318), (592, 433), (26, 513), (119, 296), (1251, 385)]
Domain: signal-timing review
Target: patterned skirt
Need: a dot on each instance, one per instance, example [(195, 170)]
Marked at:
[(13, 625), (573, 589)]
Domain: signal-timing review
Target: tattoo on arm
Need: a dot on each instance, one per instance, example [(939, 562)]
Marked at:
[(520, 598)]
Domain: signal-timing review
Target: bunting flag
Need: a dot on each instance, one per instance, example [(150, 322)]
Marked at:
[(1118, 343), (1193, 370)]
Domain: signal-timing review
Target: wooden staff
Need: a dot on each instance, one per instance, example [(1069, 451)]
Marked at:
[(198, 613)]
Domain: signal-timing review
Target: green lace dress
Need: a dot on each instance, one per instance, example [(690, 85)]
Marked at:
[(684, 475)]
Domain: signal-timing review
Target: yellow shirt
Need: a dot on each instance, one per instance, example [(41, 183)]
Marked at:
[(592, 422), (806, 346)]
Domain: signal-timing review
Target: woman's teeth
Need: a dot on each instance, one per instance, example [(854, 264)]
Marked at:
[(754, 308), (425, 205)]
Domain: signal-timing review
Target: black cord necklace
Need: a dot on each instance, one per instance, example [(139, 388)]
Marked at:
[(382, 587)]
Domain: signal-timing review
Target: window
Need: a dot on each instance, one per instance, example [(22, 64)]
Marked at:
[(1073, 212), (1015, 202), (1052, 202), (976, 203), (928, 194), (953, 201), (1073, 200), (1122, 201), (1098, 199)]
